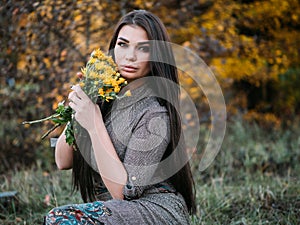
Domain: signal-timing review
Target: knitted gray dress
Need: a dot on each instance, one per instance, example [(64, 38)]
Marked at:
[(139, 128)]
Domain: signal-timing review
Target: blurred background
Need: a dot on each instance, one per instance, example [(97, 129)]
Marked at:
[(252, 48)]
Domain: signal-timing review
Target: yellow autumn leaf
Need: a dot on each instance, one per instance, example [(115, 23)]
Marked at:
[(21, 64), (47, 62)]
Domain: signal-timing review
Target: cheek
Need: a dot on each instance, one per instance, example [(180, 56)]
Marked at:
[(118, 55), (146, 66)]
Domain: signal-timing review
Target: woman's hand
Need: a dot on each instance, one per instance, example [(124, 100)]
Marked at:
[(87, 114)]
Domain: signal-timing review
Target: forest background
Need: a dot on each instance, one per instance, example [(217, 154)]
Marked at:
[(252, 47)]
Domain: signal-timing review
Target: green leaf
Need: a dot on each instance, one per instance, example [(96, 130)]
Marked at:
[(70, 139)]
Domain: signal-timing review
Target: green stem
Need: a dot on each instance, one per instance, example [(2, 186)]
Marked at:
[(75, 146), (41, 120), (49, 131)]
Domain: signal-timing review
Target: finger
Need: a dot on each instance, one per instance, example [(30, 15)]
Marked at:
[(73, 97), (80, 75), (70, 95), (73, 106), (80, 93)]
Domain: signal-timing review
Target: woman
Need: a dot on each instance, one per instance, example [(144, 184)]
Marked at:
[(123, 182)]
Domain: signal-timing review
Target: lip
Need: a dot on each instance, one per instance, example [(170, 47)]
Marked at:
[(128, 68)]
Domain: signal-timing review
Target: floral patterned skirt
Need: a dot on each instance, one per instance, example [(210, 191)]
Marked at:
[(160, 208), (87, 213)]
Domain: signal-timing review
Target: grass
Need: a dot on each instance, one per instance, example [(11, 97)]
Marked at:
[(258, 200), (253, 180)]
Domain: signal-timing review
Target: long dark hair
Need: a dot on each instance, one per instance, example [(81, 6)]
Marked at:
[(160, 53)]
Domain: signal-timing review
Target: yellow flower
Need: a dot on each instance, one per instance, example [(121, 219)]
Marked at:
[(93, 75), (117, 89), (108, 71), (107, 98), (92, 61), (121, 80), (114, 83), (107, 81), (97, 53), (83, 70), (109, 90), (101, 92)]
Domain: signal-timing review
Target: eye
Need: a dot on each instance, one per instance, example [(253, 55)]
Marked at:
[(121, 44), (144, 48)]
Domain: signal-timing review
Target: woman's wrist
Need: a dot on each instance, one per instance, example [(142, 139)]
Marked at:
[(98, 124)]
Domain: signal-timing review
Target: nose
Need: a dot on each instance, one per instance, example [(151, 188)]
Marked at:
[(130, 55)]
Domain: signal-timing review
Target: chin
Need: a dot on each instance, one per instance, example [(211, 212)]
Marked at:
[(128, 76)]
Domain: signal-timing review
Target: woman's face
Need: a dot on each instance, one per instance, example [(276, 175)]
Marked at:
[(132, 52)]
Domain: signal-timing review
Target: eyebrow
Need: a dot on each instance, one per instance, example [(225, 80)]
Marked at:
[(143, 43), (139, 43), (123, 39)]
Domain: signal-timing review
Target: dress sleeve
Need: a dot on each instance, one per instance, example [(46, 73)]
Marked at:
[(148, 142)]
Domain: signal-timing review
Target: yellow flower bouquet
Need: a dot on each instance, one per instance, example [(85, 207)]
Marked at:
[(101, 80)]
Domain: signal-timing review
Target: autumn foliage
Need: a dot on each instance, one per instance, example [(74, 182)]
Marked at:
[(251, 46)]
